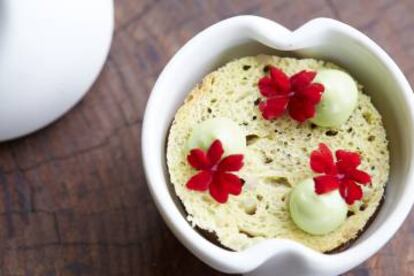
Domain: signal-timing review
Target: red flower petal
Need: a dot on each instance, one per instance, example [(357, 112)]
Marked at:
[(273, 107), (280, 80), (218, 192), (308, 110), (215, 152), (321, 160), (350, 191), (325, 184), (198, 159), (300, 110), (302, 79), (347, 161), (266, 87), (231, 163), (200, 181), (231, 183), (311, 94), (359, 176)]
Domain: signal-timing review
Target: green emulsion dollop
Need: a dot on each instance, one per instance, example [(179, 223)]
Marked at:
[(230, 134), (316, 214), (338, 100)]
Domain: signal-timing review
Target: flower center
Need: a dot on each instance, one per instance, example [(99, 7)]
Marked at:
[(340, 176)]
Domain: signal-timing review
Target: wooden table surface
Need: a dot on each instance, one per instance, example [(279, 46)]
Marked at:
[(73, 198)]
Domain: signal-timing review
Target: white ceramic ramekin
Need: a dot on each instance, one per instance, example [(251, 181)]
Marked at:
[(320, 38)]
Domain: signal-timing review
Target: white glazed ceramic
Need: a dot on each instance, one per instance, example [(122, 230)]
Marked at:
[(320, 38), (51, 52)]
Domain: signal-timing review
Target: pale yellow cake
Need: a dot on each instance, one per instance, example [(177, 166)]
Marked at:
[(276, 159)]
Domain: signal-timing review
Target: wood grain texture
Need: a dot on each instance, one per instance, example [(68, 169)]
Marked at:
[(73, 198)]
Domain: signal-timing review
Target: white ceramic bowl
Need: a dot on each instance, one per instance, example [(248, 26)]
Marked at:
[(51, 52), (320, 38)]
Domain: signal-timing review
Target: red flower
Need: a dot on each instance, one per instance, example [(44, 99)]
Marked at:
[(215, 172), (297, 94), (343, 174)]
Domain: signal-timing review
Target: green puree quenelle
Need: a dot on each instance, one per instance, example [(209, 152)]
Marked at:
[(316, 214), (338, 100), (227, 131)]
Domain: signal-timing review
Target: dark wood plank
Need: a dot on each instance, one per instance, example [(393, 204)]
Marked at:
[(73, 198)]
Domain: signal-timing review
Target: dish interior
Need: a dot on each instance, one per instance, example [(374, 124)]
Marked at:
[(378, 83)]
